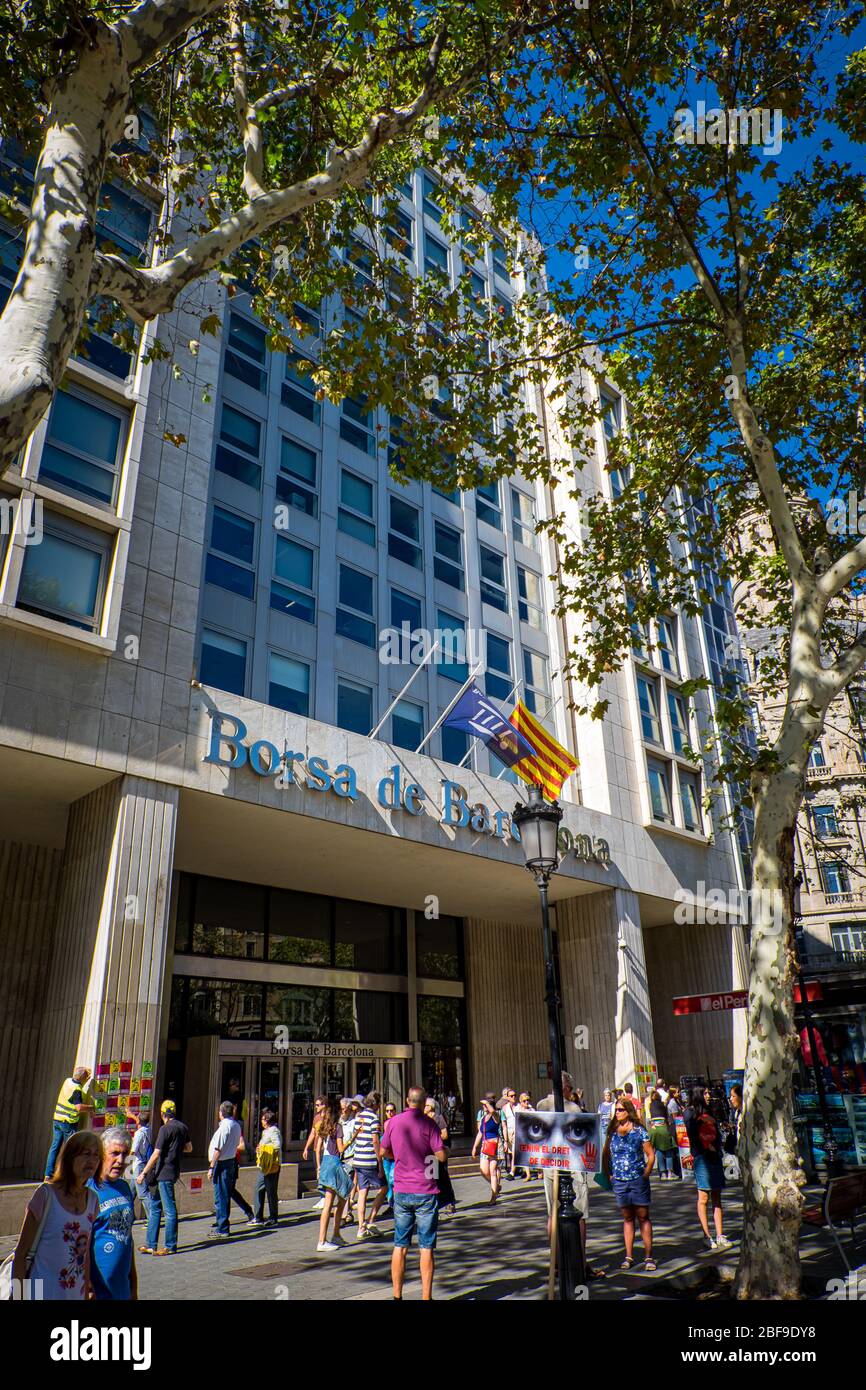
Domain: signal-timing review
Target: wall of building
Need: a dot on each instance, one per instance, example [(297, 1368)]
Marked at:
[(505, 1008), (29, 879), (696, 959)]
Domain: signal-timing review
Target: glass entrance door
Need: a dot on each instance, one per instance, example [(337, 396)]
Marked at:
[(335, 1078), (302, 1095), (234, 1086), (393, 1084), (366, 1079), (269, 1096)]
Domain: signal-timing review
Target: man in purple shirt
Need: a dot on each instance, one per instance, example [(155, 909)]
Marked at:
[(415, 1144)]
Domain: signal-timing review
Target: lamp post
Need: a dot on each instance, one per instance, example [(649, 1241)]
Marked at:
[(835, 1166), (538, 824)]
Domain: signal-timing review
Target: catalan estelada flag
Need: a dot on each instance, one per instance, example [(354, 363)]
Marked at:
[(550, 764)]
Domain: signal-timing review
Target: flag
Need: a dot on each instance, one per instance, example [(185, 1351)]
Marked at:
[(475, 714), (550, 763)]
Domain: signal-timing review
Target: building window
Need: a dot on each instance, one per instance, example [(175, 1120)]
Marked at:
[(292, 590), (487, 506), (354, 707), (63, 577), (439, 947), (225, 1008), (690, 799), (400, 233), (660, 790), (83, 447), (849, 938), (497, 679), (835, 876), (824, 821), (219, 917), (298, 391), (679, 721), (639, 632), (442, 1037), (407, 725), (666, 643), (536, 684), (405, 608), (296, 480), (243, 436), (356, 607), (452, 496), (288, 684), (448, 560), (450, 659), (356, 425), (223, 662), (404, 534), (356, 508), (232, 548), (430, 197), (529, 604), (247, 353), (523, 520), (816, 757), (369, 937), (455, 745), (611, 416), (477, 292), (435, 255), (648, 700), (500, 264), (493, 589)]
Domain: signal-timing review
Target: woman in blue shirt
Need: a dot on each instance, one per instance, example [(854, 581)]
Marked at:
[(628, 1158)]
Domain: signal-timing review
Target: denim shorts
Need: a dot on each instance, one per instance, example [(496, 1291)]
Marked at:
[(369, 1177), (415, 1211), (631, 1192)]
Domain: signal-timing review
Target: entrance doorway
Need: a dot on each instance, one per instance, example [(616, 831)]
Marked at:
[(289, 1086)]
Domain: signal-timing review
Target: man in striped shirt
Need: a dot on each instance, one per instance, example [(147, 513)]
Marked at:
[(368, 1166)]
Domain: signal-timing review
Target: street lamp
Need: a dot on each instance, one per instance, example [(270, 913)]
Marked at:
[(538, 824)]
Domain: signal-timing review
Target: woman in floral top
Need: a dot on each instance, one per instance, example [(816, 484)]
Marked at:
[(62, 1257), (628, 1159)]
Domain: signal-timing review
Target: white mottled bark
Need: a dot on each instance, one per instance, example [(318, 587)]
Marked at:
[(43, 317)]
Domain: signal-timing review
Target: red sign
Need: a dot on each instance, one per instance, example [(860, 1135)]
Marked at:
[(710, 1003), (814, 992)]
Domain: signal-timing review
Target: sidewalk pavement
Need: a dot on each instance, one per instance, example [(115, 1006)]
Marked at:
[(483, 1253)]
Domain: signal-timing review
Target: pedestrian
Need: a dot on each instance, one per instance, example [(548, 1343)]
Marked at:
[(605, 1107), (222, 1166), (628, 1094), (412, 1139), (577, 1096), (524, 1102), (58, 1223), (736, 1116), (488, 1139), (579, 1179), (334, 1180), (628, 1158), (645, 1104), (314, 1142), (447, 1197), (675, 1110), (235, 1194), (505, 1106), (388, 1163), (142, 1148), (450, 1109), (73, 1106), (663, 1091), (369, 1174), (161, 1173), (660, 1137), (349, 1111), (705, 1140), (269, 1158), (112, 1256)]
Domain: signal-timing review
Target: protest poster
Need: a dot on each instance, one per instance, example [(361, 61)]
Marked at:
[(684, 1148), (547, 1139)]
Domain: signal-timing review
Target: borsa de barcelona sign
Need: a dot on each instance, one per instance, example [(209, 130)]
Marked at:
[(395, 792)]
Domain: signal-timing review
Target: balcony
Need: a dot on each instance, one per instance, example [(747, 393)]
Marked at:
[(829, 960), (854, 898)]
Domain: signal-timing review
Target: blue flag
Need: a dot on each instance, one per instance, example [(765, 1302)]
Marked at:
[(475, 714)]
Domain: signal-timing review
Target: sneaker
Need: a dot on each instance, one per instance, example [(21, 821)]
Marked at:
[(722, 1243), (363, 1233), (253, 1222), (710, 1242), (373, 1230), (338, 1241), (273, 1222), (327, 1246)]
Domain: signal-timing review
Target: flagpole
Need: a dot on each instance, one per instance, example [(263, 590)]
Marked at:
[(508, 697), (397, 698), (448, 708)]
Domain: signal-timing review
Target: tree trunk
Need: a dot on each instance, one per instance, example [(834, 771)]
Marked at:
[(40, 324), (769, 1265)]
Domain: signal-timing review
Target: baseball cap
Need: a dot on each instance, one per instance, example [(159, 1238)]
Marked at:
[(168, 1107)]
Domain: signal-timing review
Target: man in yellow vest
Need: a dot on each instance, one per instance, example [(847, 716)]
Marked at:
[(73, 1105)]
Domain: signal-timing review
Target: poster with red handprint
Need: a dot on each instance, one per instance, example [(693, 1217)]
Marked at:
[(547, 1139)]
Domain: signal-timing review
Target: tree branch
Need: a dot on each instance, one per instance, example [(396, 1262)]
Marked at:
[(843, 570), (250, 130), (154, 25)]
